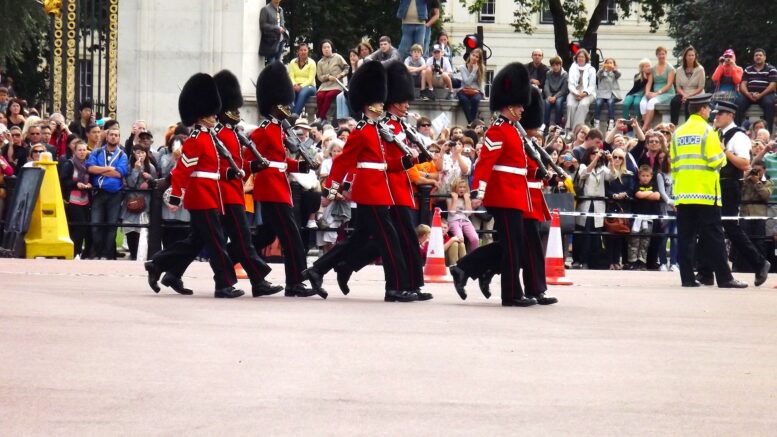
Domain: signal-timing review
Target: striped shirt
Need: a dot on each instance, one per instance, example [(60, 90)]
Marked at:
[(757, 81)]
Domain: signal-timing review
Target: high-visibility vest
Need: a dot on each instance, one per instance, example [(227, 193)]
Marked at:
[(697, 158)]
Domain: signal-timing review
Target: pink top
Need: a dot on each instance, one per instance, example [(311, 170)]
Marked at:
[(7, 168)]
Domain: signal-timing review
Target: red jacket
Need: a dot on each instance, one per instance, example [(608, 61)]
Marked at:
[(197, 171), (271, 184), (539, 210), (399, 182), (364, 148), (231, 190), (503, 149)]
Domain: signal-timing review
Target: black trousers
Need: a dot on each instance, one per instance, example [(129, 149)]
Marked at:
[(278, 221), (81, 235), (702, 222), (533, 259), (674, 108), (205, 231), (506, 252)]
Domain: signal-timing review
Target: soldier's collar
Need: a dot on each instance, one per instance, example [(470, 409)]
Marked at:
[(394, 117), (274, 120), (368, 120), (200, 128)]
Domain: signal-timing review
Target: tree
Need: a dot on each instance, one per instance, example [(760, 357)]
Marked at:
[(25, 21), (573, 14), (711, 27)]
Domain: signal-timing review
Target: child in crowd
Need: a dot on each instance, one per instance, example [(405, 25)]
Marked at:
[(458, 218), (635, 94), (607, 91), (647, 201), (453, 246), (423, 231)]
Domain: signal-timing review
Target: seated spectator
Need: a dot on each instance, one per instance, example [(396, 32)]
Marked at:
[(140, 172), (689, 82), (454, 247), (74, 180), (108, 166), (385, 53), (659, 89), (473, 73), (302, 71), (330, 69), (607, 91), (637, 92), (85, 118), (758, 85), (537, 70), (447, 53), (416, 64), (582, 89), (438, 73), (423, 232), (726, 78), (343, 110), (555, 91), (364, 49), (459, 207), (647, 201)]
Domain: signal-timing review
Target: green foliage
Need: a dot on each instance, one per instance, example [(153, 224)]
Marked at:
[(29, 72), (24, 22)]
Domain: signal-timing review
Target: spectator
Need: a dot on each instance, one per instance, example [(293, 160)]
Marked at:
[(582, 89), (36, 154), (45, 134), (336, 212), (618, 189), (15, 152), (343, 110), (302, 71), (454, 247), (108, 166), (637, 91), (758, 84), (726, 78), (174, 218), (537, 70), (659, 89), (433, 12), (59, 133), (578, 135), (141, 172), (647, 201), (331, 68), (647, 149), (413, 24), (3, 119), (442, 41), (755, 127), (689, 81), (137, 127), (364, 49), (437, 74), (6, 170), (272, 26), (93, 137), (756, 190), (555, 91), (664, 182), (74, 180), (416, 64), (15, 114), (85, 118), (424, 127), (592, 175), (473, 73), (385, 53), (3, 99), (423, 232), (593, 141), (607, 91), (459, 210)]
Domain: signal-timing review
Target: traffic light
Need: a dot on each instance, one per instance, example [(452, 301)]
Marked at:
[(471, 42), (574, 47)]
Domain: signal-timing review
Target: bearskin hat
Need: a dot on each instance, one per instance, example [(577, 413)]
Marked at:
[(532, 117), (511, 86), (399, 83), (199, 98), (229, 90), (368, 85), (273, 88)]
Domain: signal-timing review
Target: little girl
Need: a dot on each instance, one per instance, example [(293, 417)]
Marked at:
[(607, 91), (458, 221)]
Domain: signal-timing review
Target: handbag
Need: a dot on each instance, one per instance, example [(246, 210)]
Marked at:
[(136, 202), (617, 225), (469, 92)]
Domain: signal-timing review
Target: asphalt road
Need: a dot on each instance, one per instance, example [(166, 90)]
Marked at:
[(87, 349)]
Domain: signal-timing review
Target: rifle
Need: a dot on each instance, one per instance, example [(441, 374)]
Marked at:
[(248, 144), (413, 137), (294, 145), (222, 150)]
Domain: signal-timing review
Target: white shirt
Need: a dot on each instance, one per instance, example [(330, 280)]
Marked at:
[(446, 64), (739, 144)]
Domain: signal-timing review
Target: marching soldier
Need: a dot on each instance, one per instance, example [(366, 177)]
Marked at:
[(275, 94), (500, 178), (198, 171)]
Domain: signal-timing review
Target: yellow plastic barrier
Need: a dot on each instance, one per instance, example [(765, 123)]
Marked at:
[(48, 235)]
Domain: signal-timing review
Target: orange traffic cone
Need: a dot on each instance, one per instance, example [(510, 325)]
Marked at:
[(554, 255), (240, 272), (434, 270)]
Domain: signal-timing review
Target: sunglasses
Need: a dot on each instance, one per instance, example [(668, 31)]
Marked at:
[(16, 135), (426, 125), (654, 142), (37, 151), (617, 157)]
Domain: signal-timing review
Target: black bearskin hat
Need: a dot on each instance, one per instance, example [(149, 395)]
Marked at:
[(229, 90), (368, 85), (510, 87), (199, 98), (399, 83), (273, 88), (532, 117)]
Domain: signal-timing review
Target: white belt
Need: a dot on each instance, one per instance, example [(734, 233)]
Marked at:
[(281, 166), (372, 165), (508, 169), (536, 185), (205, 175)]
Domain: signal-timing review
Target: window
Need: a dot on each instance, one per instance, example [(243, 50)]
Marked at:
[(487, 85), (610, 14), (487, 12), (85, 79)]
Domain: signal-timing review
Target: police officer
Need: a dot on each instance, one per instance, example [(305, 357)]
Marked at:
[(697, 158), (737, 147), (198, 170), (500, 178)]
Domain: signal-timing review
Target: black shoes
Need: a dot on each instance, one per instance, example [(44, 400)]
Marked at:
[(265, 288), (228, 293), (521, 302), (459, 281), (542, 299), (733, 284), (153, 275), (421, 295), (316, 281), (705, 281), (400, 296), (343, 275), (761, 275), (174, 282), (692, 284), (298, 290), (484, 281)]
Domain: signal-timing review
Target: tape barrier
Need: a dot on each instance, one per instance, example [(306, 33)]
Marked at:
[(631, 216)]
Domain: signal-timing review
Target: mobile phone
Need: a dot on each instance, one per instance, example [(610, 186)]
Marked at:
[(177, 145)]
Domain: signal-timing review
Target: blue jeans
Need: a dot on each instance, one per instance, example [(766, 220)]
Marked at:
[(469, 104), (559, 106), (610, 107), (629, 102), (411, 34), (278, 55), (427, 42), (105, 209), (343, 110), (301, 97), (766, 103)]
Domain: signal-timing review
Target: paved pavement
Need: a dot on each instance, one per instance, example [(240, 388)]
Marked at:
[(87, 349)]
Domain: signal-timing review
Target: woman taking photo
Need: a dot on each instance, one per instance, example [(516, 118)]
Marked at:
[(689, 81), (331, 68), (74, 180), (659, 88), (592, 175), (472, 75), (141, 171)]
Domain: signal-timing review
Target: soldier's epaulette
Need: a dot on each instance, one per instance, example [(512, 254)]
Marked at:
[(360, 125), (218, 127), (195, 133), (498, 122), (264, 123)]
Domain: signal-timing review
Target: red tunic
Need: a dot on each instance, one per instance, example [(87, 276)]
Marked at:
[(231, 190), (539, 210), (363, 149), (197, 171), (271, 184), (503, 147), (399, 182)]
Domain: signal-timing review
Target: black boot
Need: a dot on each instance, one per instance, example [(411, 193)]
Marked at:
[(343, 275), (543, 299), (484, 281), (265, 288), (316, 281), (421, 295), (400, 296), (459, 281), (174, 282), (228, 293), (153, 275), (520, 302), (298, 290)]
